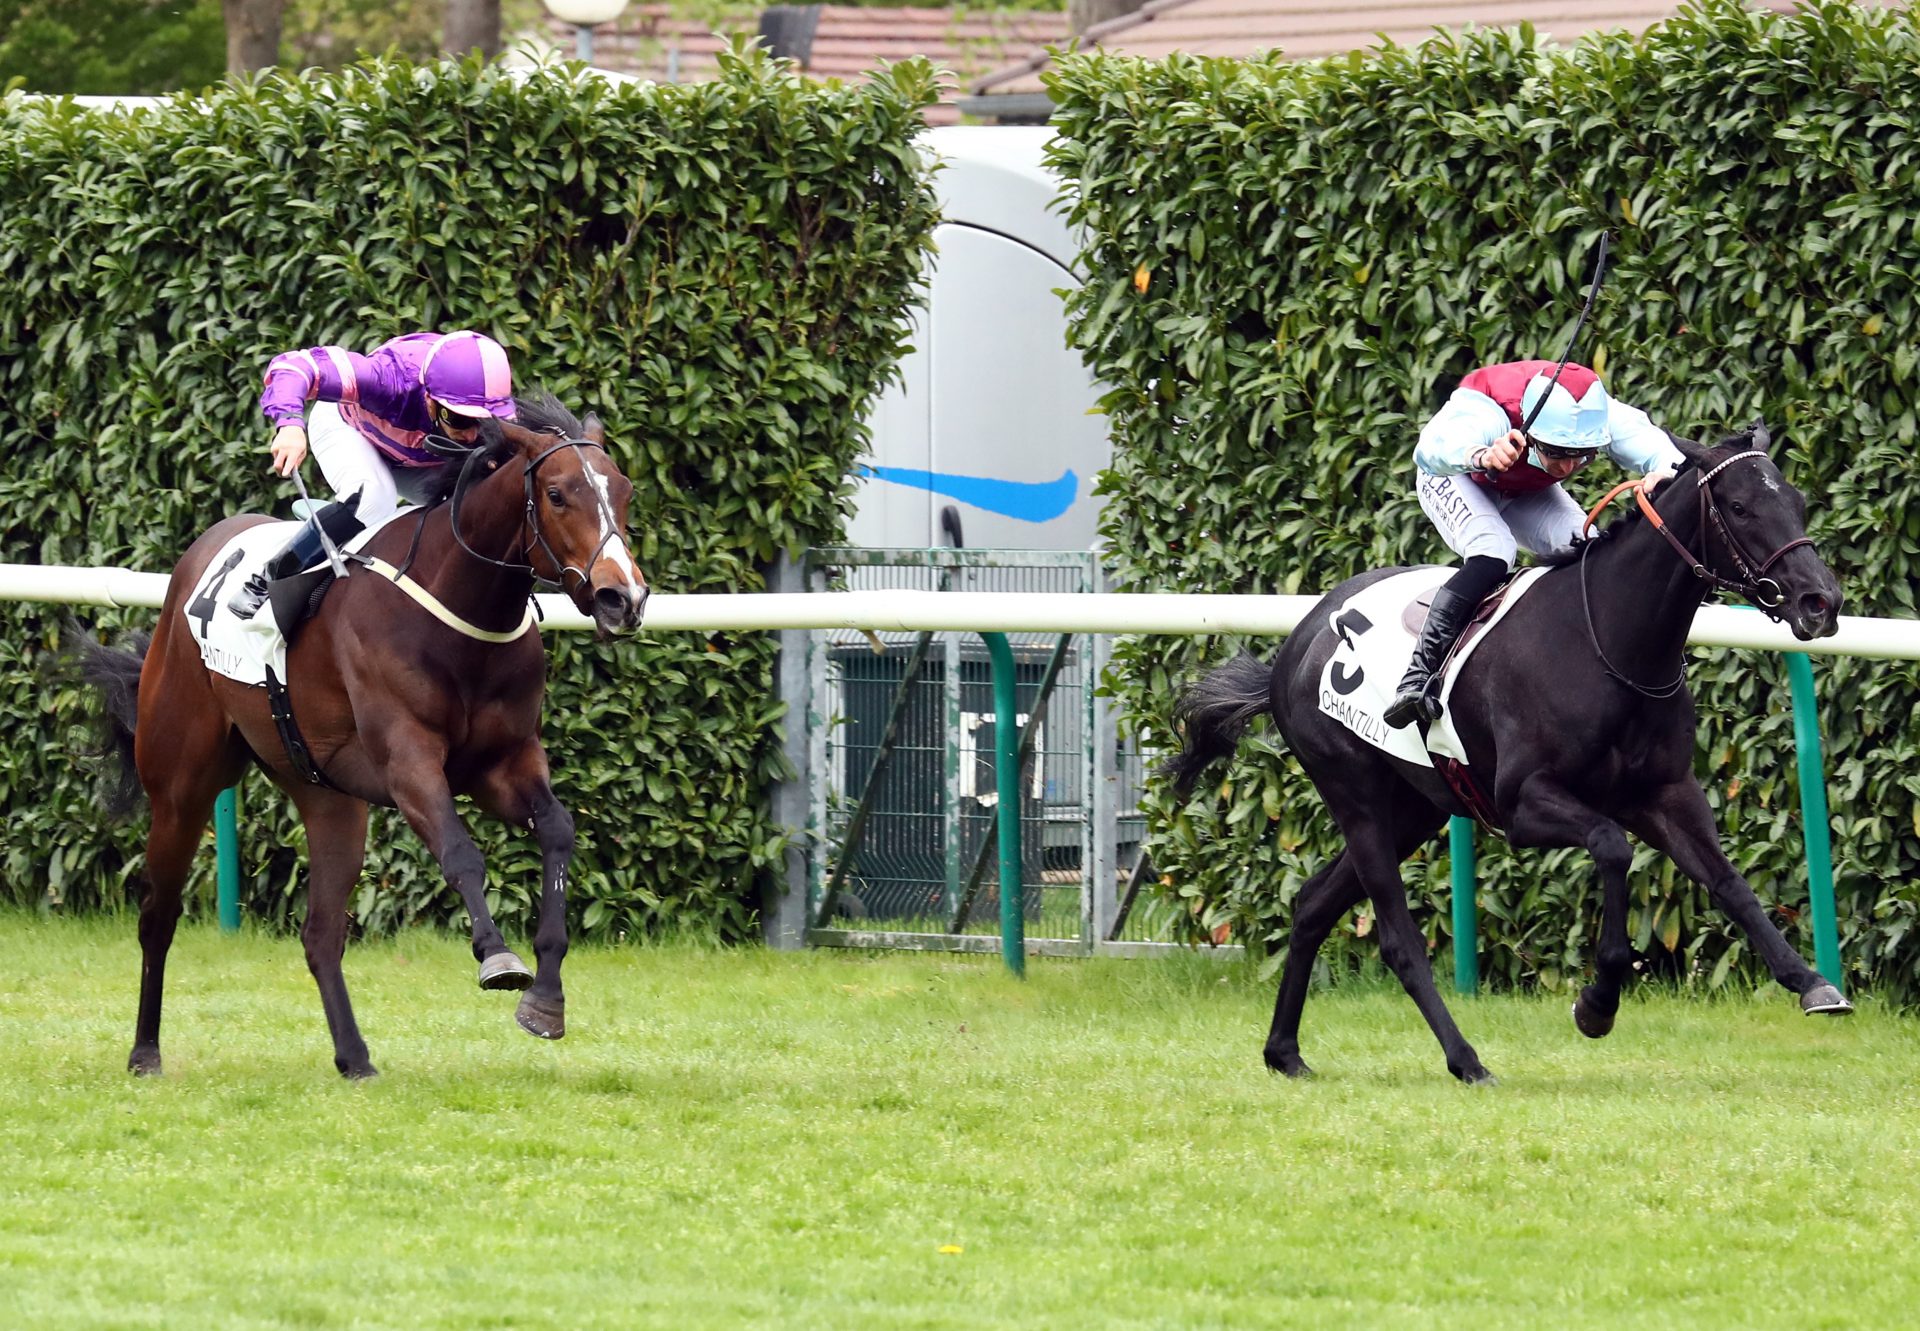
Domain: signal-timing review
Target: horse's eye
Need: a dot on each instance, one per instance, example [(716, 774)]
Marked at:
[(554, 497), (1739, 509)]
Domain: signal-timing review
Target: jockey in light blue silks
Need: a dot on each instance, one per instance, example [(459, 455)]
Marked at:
[(368, 418), (1493, 488)]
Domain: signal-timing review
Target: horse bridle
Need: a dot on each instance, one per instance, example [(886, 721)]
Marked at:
[(1766, 595), (528, 475)]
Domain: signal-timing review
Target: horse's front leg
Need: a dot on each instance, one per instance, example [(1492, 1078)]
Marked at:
[(519, 792), (337, 848), (1676, 820), (417, 780), (1545, 814)]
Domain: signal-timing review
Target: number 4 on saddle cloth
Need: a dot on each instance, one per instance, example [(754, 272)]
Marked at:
[(243, 650), (1377, 628)]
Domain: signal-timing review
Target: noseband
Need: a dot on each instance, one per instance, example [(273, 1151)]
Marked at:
[(532, 518)]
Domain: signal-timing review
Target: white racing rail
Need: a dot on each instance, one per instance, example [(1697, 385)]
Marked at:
[(1004, 612)]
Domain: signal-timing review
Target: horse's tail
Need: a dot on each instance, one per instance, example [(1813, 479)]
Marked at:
[(1211, 715), (115, 672)]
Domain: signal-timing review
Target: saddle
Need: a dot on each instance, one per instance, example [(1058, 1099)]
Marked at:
[(1458, 776), (1415, 616)]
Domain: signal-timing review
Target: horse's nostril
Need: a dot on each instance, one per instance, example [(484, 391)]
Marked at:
[(611, 600)]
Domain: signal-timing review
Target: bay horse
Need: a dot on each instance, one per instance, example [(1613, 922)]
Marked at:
[(1577, 725), (408, 691)]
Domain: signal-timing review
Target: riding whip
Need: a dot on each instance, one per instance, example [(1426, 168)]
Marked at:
[(1599, 272), (334, 556)]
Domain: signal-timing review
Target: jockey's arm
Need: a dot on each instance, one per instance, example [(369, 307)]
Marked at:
[(321, 374), (1451, 442), (1637, 444)]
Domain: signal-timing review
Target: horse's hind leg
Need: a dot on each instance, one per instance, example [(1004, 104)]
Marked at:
[(1405, 950), (186, 754), (171, 842), (336, 848), (1322, 903), (1677, 821)]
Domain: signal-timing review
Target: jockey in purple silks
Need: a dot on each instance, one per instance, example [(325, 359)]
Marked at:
[(366, 417), (1492, 489)]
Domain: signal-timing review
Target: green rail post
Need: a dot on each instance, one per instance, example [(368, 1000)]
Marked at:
[(1006, 771), (226, 845), (1813, 816), (1466, 919)]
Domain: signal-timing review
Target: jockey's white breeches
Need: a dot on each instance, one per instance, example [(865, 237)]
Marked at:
[(350, 462), (1474, 520)]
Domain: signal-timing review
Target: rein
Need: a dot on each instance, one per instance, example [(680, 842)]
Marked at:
[(1765, 594)]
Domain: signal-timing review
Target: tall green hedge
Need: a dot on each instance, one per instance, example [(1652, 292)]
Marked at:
[(1287, 261), (721, 270)]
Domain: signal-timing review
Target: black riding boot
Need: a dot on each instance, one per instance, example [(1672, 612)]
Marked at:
[(303, 551), (1446, 618)]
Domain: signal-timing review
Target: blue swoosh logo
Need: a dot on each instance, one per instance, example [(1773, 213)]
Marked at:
[(1029, 501)]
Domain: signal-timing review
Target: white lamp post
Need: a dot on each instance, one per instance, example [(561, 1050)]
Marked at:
[(585, 15)]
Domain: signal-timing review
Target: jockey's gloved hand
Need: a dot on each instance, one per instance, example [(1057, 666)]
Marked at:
[(1501, 453), (1653, 480)]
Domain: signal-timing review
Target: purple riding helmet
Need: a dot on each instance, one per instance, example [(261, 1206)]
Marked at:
[(467, 373)]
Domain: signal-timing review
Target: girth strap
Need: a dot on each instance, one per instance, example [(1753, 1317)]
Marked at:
[(296, 745)]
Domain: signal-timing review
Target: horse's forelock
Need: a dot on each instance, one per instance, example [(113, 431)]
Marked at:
[(542, 412)]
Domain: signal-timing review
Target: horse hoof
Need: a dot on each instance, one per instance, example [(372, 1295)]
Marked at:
[(1825, 999), (362, 1072), (1589, 1020), (1477, 1076), (503, 970), (539, 1017), (1290, 1065), (144, 1062)]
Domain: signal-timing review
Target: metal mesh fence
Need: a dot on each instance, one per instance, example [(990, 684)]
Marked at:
[(905, 791)]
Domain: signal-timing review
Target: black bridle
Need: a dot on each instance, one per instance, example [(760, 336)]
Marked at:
[(531, 518), (1765, 594)]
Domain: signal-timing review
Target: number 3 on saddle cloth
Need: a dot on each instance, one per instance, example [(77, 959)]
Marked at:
[(1377, 628), (245, 651)]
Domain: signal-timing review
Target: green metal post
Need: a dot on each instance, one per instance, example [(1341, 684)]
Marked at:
[(1006, 770), (226, 844), (1466, 919), (1813, 814)]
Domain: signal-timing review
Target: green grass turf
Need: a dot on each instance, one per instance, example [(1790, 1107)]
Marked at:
[(744, 1138)]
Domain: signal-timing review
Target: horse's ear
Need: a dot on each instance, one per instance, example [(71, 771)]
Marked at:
[(1690, 450), (593, 430), (1762, 438)]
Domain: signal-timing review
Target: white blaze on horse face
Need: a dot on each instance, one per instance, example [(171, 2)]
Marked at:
[(613, 542)]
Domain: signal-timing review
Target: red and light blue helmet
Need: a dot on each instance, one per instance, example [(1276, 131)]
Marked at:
[(1564, 421), (467, 373)]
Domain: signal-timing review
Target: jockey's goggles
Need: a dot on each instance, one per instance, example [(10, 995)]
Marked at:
[(1555, 453)]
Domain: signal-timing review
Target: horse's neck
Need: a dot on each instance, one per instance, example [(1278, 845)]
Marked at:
[(1643, 595), (491, 516)]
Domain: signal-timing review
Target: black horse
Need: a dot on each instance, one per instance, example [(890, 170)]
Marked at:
[(1577, 724)]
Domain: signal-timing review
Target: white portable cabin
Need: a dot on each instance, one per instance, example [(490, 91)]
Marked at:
[(991, 418)]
